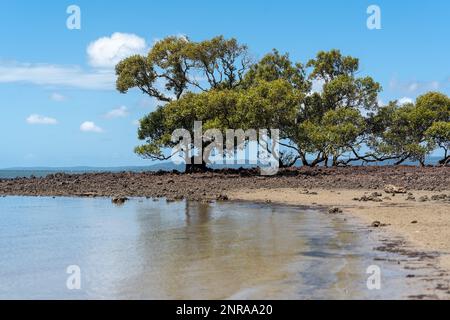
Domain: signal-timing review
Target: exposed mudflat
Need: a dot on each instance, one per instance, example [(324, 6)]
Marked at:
[(216, 184)]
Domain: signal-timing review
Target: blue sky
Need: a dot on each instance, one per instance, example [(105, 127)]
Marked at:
[(50, 84)]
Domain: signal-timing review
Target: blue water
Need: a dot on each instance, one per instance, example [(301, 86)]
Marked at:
[(150, 249), (166, 166), (42, 172)]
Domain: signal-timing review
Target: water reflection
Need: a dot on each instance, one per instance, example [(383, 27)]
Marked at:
[(149, 249), (212, 251)]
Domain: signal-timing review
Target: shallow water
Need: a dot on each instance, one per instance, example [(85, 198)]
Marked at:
[(150, 249)]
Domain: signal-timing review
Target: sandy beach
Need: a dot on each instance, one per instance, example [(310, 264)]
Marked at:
[(423, 222)]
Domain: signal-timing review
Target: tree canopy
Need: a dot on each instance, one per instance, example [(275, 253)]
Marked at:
[(326, 113)]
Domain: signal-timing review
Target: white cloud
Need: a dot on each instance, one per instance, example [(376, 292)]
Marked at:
[(106, 52), (405, 100), (57, 97), (55, 75), (146, 102), (89, 126), (103, 54), (120, 112), (38, 119), (414, 87)]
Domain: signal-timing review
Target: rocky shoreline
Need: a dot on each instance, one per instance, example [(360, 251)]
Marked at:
[(404, 202), (215, 185)]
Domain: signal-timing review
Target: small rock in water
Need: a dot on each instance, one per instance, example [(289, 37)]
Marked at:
[(376, 224), (334, 210), (119, 200), (222, 197)]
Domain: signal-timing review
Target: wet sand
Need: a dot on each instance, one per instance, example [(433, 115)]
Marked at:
[(423, 225)]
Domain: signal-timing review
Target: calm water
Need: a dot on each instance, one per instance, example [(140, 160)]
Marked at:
[(167, 166), (157, 250)]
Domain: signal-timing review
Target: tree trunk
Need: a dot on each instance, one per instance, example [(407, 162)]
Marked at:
[(335, 161), (320, 158), (422, 162), (193, 167), (401, 160), (303, 158), (445, 161)]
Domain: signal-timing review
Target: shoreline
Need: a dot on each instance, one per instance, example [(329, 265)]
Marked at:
[(414, 222), (417, 229), (216, 184)]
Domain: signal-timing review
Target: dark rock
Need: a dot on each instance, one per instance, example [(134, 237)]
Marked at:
[(119, 200), (334, 210), (376, 224), (222, 197), (437, 197)]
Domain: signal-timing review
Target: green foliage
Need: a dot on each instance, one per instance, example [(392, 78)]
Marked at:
[(411, 131), (438, 135), (337, 133), (214, 82), (342, 97), (176, 64), (275, 66), (329, 65), (266, 105)]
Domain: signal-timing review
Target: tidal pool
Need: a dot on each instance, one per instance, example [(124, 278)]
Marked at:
[(152, 249)]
